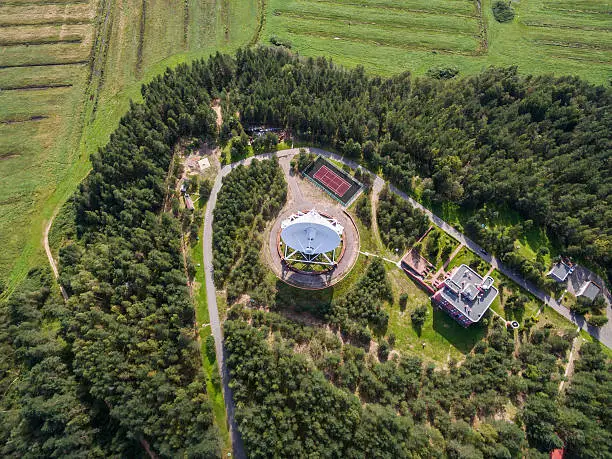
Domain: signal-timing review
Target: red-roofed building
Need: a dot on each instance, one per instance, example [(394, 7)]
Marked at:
[(188, 202), (556, 453)]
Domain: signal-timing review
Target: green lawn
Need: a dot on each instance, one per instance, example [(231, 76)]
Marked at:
[(465, 257), (215, 392), (367, 239), (527, 243), (442, 249), (506, 288), (309, 300), (568, 300), (552, 317), (443, 337)]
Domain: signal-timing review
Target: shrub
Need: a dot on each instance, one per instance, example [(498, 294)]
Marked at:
[(503, 12), (363, 209), (210, 348), (383, 350), (277, 41), (403, 300), (443, 73), (597, 321), (418, 316)]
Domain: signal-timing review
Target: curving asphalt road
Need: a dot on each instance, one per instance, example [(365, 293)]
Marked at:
[(213, 310), (603, 334)]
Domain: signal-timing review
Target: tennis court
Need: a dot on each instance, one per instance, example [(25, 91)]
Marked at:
[(339, 184), (332, 180)]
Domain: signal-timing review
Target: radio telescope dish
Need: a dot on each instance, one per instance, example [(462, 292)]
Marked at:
[(311, 233)]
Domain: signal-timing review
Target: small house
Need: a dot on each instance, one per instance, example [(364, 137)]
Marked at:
[(589, 290), (560, 271)]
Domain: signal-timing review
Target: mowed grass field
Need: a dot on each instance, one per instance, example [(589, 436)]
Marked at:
[(390, 36), (68, 69), (44, 55)]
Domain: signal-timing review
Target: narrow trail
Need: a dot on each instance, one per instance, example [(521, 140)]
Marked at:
[(569, 368), (377, 187), (50, 254), (368, 254)]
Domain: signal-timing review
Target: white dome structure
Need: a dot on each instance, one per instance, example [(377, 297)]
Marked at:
[(311, 236)]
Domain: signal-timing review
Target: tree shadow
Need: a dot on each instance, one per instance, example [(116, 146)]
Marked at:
[(463, 339), (418, 328), (517, 314), (316, 302)]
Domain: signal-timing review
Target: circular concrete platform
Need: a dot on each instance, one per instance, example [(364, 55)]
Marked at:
[(310, 280)]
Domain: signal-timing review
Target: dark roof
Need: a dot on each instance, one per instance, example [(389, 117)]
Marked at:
[(560, 271), (188, 203), (589, 290)]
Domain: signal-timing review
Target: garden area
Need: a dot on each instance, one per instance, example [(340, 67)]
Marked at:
[(467, 257), (437, 247)]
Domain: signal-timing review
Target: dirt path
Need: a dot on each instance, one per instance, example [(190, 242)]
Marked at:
[(377, 187), (50, 255), (442, 270), (217, 108), (491, 269), (569, 369)]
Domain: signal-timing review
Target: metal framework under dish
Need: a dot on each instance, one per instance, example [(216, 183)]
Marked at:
[(311, 238), (322, 259)]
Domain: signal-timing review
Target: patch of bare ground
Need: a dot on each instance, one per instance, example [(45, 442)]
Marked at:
[(7, 157), (373, 352), (393, 354), (311, 193), (217, 108), (243, 299)]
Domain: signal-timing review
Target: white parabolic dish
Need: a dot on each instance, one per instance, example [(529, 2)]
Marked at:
[(311, 233)]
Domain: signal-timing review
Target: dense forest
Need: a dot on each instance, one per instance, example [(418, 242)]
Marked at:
[(116, 370), (132, 363), (239, 218), (42, 413), (303, 389), (399, 223)]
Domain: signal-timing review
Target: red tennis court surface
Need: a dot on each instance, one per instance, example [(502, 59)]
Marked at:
[(332, 180)]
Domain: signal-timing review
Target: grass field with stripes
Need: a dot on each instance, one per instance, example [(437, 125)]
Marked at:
[(68, 69), (389, 36)]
